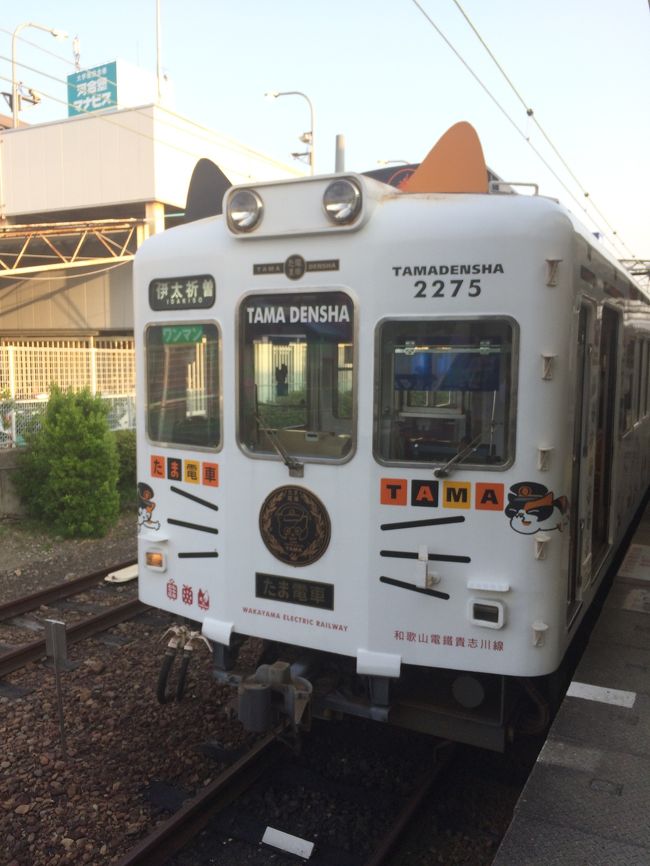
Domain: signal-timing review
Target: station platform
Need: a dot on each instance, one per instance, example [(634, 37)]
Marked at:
[(587, 800)]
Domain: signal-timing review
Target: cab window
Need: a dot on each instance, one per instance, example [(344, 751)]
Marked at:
[(183, 385), (445, 392), (296, 375)]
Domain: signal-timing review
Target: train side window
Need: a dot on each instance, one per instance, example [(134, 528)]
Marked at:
[(626, 416), (446, 388), (296, 375), (645, 387), (183, 390), (638, 380)]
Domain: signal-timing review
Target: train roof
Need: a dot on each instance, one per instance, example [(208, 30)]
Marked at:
[(455, 164)]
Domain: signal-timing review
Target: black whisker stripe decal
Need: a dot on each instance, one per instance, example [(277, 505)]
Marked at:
[(412, 524), (187, 525), (194, 498), (433, 557), (403, 585), (203, 554)]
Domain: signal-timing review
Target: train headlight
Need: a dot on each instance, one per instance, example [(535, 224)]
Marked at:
[(244, 210), (342, 201)]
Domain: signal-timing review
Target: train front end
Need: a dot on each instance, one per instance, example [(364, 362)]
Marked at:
[(328, 452)]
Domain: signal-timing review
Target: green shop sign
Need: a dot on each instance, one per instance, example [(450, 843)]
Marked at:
[(92, 89)]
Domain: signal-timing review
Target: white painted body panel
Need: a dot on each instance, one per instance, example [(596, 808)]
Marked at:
[(373, 621)]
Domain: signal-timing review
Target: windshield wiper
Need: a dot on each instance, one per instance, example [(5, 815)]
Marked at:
[(296, 468), (443, 471)]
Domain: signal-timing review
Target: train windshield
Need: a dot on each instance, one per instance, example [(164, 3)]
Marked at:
[(183, 384), (296, 374), (446, 392)]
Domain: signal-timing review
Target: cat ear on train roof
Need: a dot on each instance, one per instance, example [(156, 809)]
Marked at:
[(454, 164), (207, 188)]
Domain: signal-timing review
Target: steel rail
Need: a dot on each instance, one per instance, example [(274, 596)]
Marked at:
[(176, 832), (388, 842), (53, 593), (180, 829), (35, 650)]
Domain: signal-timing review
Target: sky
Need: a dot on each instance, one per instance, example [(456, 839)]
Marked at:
[(391, 76)]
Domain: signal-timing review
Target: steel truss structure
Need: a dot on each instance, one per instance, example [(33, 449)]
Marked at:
[(27, 249)]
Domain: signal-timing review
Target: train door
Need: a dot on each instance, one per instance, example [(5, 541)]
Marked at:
[(607, 366), (579, 549), (300, 514)]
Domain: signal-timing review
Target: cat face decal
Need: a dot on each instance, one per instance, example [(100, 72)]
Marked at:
[(533, 508)]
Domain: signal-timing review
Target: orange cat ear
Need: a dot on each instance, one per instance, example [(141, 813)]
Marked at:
[(454, 164)]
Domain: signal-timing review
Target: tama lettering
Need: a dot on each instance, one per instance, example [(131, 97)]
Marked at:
[(319, 314), (421, 493), (447, 270)]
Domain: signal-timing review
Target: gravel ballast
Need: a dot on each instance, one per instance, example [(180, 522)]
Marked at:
[(92, 805)]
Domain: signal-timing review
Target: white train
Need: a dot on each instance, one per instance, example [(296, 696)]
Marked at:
[(397, 434)]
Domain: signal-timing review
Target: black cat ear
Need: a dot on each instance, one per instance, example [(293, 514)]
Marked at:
[(207, 188)]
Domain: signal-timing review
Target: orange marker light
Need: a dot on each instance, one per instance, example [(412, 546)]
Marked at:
[(155, 559)]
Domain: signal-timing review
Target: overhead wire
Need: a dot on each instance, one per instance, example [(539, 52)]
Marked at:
[(512, 122), (530, 113), (37, 46), (210, 136), (230, 144), (79, 266)]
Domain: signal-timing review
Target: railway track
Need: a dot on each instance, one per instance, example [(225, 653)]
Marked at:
[(351, 798), (14, 659), (67, 588), (228, 814), (173, 835)]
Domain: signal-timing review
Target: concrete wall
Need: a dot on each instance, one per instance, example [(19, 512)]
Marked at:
[(114, 158), (56, 302), (9, 502)]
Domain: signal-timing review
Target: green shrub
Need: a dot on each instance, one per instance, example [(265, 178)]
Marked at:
[(6, 408), (68, 474), (127, 474)]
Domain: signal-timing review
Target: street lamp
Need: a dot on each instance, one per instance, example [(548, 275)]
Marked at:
[(306, 137), (58, 34)]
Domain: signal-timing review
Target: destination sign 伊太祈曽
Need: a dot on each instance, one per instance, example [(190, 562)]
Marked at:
[(182, 293)]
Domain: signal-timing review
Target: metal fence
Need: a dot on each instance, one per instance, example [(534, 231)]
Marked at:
[(25, 414), (29, 367)]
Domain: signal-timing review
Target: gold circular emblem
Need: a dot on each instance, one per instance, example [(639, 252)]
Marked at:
[(294, 525), (294, 267)]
